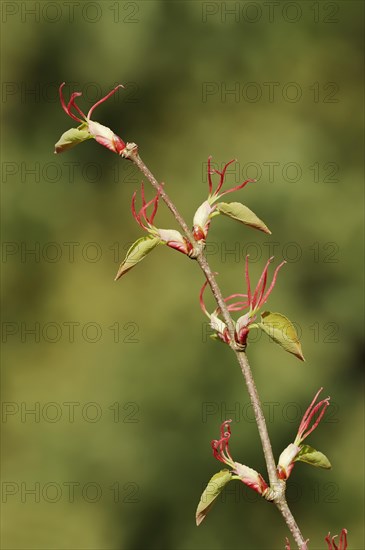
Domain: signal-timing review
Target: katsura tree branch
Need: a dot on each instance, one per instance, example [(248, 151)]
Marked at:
[(277, 486), (233, 333), (240, 355)]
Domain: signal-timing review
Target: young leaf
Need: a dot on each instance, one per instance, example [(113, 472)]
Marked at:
[(240, 212), (137, 252), (71, 138), (314, 458), (281, 330), (212, 490), (216, 338)]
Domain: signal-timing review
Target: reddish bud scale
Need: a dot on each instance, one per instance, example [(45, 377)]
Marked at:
[(198, 233)]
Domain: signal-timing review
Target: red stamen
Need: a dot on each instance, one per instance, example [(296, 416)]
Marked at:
[(260, 287), (67, 108), (143, 197), (63, 104), (134, 212), (155, 200), (342, 543), (72, 103), (240, 186), (248, 284), (103, 99), (210, 183), (329, 541), (142, 212), (222, 176), (343, 539), (269, 290), (310, 413), (237, 306), (324, 404), (220, 447), (201, 299), (303, 423)]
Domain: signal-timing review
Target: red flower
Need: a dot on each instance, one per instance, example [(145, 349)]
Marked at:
[(88, 128), (207, 210), (251, 301), (247, 475), (171, 237), (311, 418)]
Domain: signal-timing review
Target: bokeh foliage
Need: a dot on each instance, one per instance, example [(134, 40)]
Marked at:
[(173, 385)]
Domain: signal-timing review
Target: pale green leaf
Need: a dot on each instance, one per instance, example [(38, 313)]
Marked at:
[(211, 492), (314, 458), (137, 252), (240, 212), (281, 330), (71, 138)]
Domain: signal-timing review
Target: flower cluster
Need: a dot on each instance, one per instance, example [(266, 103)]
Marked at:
[(252, 301), (88, 128), (247, 475), (297, 451)]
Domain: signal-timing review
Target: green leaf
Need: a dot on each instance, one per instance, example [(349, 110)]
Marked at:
[(281, 330), (240, 212), (137, 252), (216, 338), (211, 492), (71, 138), (314, 458)]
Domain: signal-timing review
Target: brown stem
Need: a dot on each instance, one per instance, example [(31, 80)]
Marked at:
[(284, 509), (277, 486), (246, 371)]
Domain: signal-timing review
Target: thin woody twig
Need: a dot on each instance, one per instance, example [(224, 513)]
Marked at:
[(277, 486)]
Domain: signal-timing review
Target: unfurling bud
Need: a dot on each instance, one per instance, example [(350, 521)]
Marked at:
[(297, 452), (286, 461), (251, 478), (88, 128)]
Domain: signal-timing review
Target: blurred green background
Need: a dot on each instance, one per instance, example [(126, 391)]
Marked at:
[(127, 389)]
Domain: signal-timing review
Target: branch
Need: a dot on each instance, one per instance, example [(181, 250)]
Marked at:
[(277, 486)]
